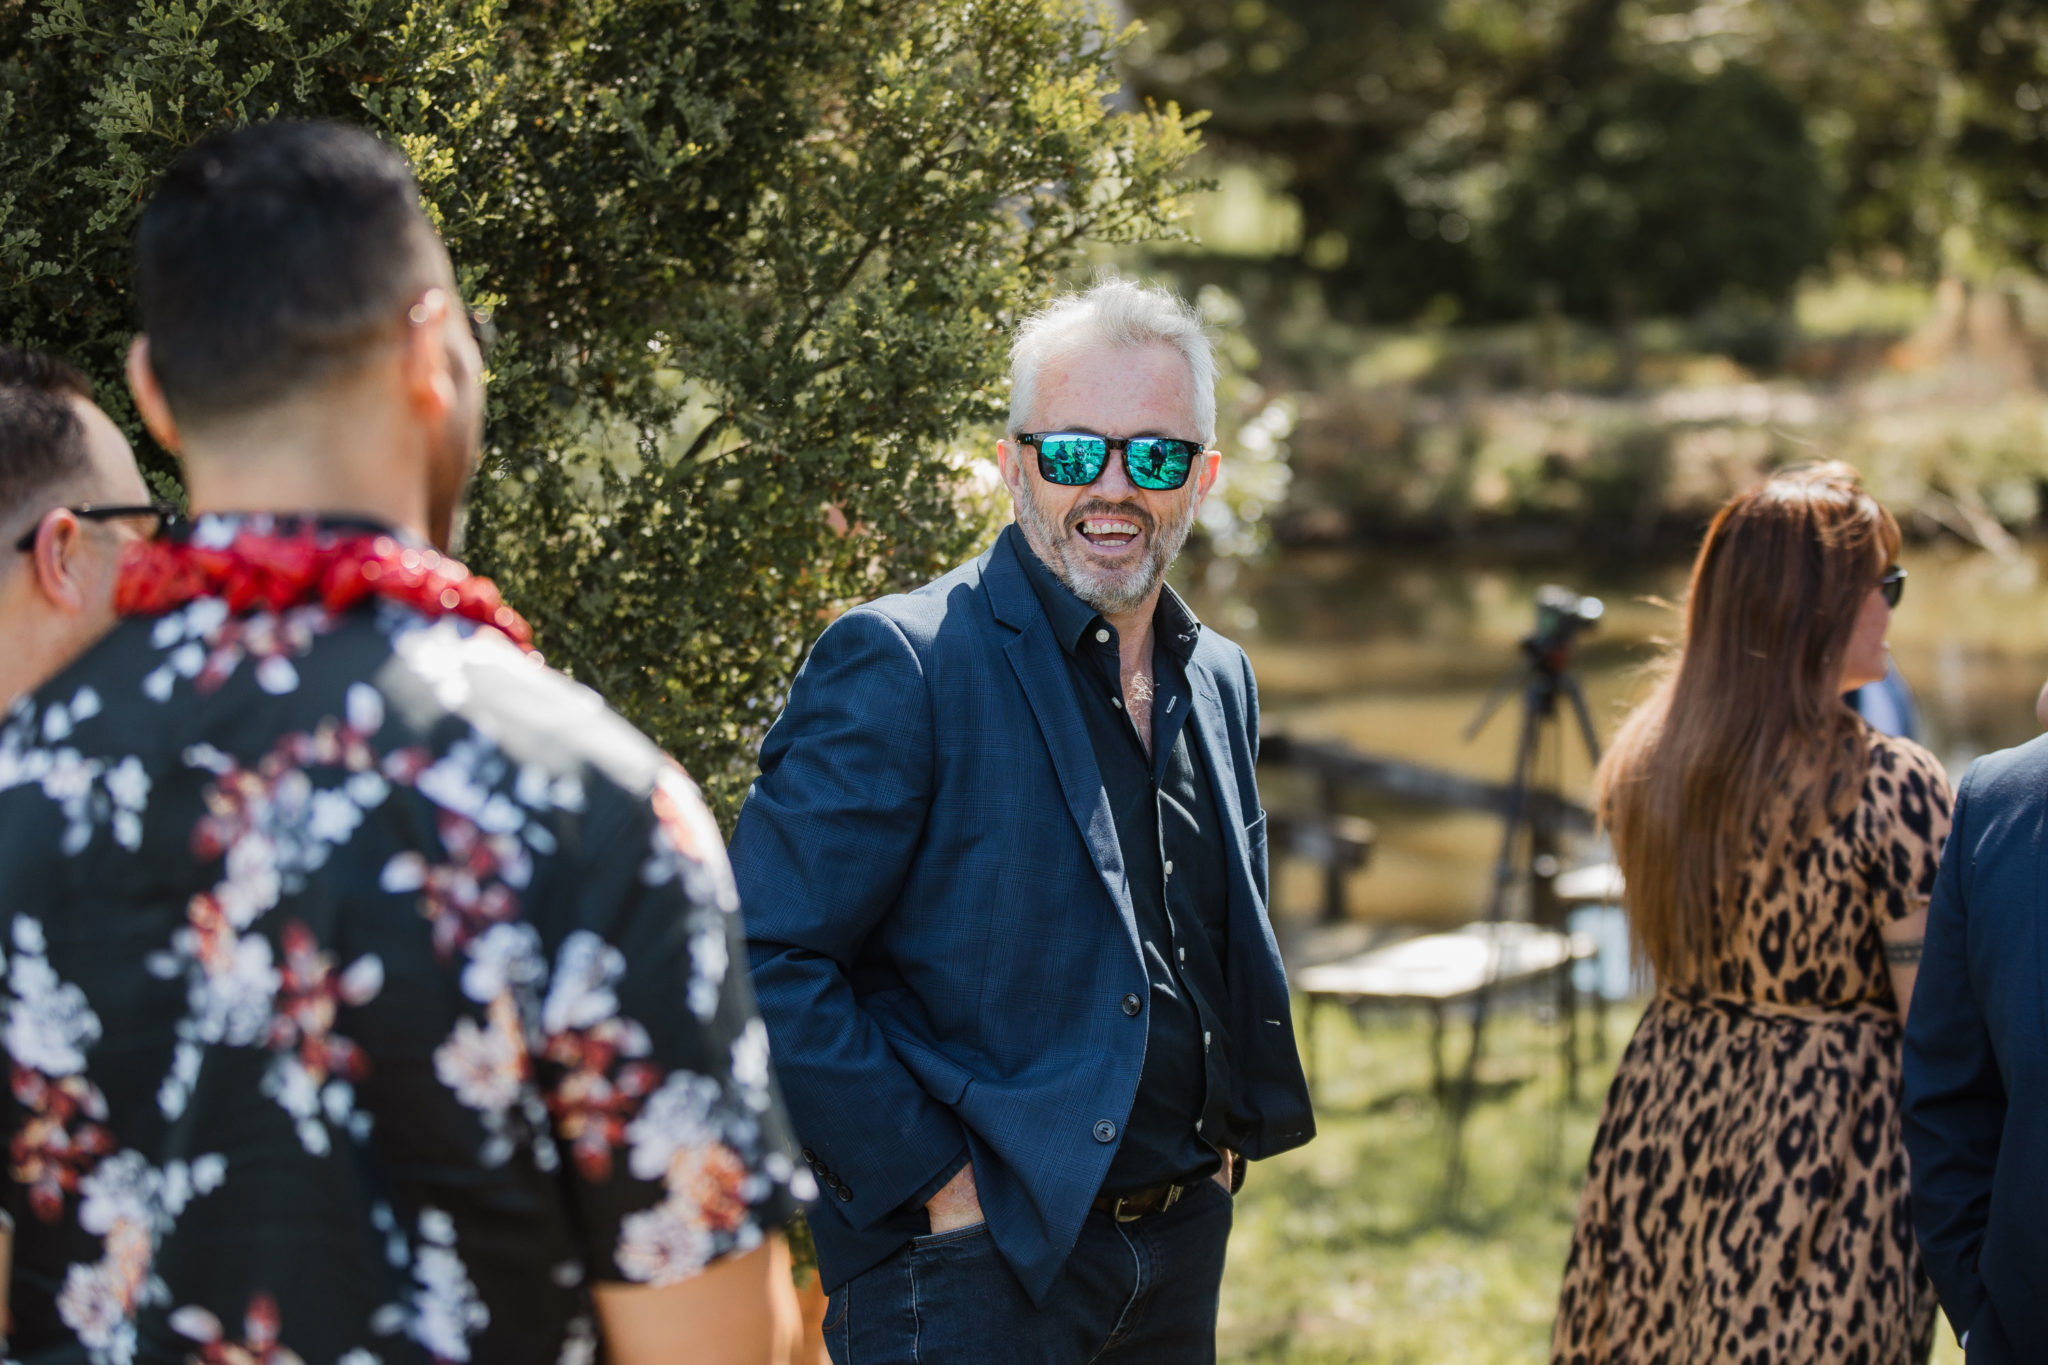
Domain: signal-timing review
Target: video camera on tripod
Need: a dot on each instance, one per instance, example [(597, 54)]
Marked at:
[(1528, 853), (1561, 615)]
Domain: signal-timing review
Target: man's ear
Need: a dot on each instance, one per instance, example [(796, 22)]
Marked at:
[(425, 366), (1212, 464), (59, 539), (149, 395), (1010, 464)]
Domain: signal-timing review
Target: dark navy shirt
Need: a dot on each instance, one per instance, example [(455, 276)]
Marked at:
[(1169, 830)]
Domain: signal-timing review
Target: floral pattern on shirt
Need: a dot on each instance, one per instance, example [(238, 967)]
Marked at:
[(361, 919)]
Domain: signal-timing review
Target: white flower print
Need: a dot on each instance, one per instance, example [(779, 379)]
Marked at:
[(231, 998), (579, 1342), (446, 1309), (275, 675), (750, 1070), (94, 1304), (581, 993), (49, 1022), (130, 1205), (122, 1189), (484, 1065), (663, 1245), (710, 957), (252, 885), (676, 1118), (333, 817), (504, 959)]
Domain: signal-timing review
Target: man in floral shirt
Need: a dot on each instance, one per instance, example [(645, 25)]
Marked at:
[(369, 989)]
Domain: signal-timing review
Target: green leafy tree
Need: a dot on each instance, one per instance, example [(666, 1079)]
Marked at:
[(1997, 152), (1667, 192), (754, 263)]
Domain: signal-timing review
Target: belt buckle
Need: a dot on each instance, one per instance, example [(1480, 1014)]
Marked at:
[(1166, 1201)]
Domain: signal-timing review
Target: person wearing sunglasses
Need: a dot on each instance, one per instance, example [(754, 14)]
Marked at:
[(1005, 878), (1745, 1197), (71, 498)]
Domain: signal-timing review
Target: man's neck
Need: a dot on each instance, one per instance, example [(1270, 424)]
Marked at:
[(38, 645), (1134, 635), (313, 457)]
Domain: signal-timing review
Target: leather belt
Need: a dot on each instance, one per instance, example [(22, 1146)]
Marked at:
[(1155, 1199)]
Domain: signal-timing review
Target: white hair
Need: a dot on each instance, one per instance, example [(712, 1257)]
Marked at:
[(1120, 313)]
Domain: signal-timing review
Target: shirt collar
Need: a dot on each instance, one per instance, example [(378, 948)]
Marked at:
[(1173, 625)]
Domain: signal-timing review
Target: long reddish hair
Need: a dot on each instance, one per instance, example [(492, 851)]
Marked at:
[(1754, 685)]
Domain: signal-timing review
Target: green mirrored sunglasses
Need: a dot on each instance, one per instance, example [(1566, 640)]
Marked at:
[(1076, 458)]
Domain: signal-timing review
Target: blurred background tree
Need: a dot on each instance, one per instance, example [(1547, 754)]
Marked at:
[(1409, 140), (754, 263), (1595, 203)]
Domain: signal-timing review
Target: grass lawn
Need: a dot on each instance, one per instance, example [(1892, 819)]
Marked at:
[(1347, 1250)]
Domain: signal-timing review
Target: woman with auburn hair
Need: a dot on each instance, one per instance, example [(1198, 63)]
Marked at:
[(1746, 1199)]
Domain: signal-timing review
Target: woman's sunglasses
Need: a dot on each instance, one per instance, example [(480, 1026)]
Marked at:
[(1892, 585), (1076, 459)]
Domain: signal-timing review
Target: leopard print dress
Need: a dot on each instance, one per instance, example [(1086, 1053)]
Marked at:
[(1746, 1200)]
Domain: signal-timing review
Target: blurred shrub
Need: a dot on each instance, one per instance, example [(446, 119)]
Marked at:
[(1667, 193), (753, 261)]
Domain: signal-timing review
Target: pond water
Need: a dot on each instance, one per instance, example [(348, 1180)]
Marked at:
[(1393, 653)]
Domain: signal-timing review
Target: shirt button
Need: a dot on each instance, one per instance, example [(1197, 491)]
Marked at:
[(1105, 1131), (1183, 955), (1132, 1004), (1205, 1040), (1169, 867), (1101, 637), (1117, 702)]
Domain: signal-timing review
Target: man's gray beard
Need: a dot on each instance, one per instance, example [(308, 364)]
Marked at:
[(1108, 591)]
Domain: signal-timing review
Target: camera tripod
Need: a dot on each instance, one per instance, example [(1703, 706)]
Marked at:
[(1529, 820)]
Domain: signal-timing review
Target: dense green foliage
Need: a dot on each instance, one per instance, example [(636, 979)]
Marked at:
[(1665, 192), (753, 262), (1414, 136)]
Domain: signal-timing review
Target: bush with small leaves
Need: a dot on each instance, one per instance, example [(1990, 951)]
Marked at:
[(754, 263)]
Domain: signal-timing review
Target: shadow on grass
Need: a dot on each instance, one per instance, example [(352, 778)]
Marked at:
[(1350, 1250)]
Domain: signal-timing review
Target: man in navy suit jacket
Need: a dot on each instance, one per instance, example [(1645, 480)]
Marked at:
[(1976, 1087), (1005, 882)]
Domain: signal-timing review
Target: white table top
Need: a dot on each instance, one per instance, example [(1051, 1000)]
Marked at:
[(1446, 966)]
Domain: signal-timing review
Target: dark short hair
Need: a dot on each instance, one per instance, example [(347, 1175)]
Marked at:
[(272, 257), (42, 442)]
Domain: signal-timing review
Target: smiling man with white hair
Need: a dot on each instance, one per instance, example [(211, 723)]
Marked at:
[(1005, 878)]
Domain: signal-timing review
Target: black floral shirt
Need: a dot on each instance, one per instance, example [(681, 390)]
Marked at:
[(369, 991)]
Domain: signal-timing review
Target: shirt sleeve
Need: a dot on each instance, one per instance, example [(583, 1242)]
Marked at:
[(1905, 824), (652, 1061)]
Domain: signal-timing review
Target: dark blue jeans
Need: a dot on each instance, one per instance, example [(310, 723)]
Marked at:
[(1136, 1293)]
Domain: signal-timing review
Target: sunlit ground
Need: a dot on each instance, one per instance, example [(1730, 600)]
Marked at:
[(1345, 1250)]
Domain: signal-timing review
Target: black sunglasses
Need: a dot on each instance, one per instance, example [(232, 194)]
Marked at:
[(165, 513), (1076, 458), (1892, 585)]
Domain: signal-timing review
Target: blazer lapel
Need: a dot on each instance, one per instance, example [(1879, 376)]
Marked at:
[(1035, 656), (1208, 724)]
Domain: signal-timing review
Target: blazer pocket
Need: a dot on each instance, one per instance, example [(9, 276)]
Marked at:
[(944, 1079)]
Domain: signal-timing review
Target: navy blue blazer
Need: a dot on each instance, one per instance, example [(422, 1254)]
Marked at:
[(941, 931), (1976, 1088)]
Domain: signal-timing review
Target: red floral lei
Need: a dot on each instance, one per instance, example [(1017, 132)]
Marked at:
[(273, 566)]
